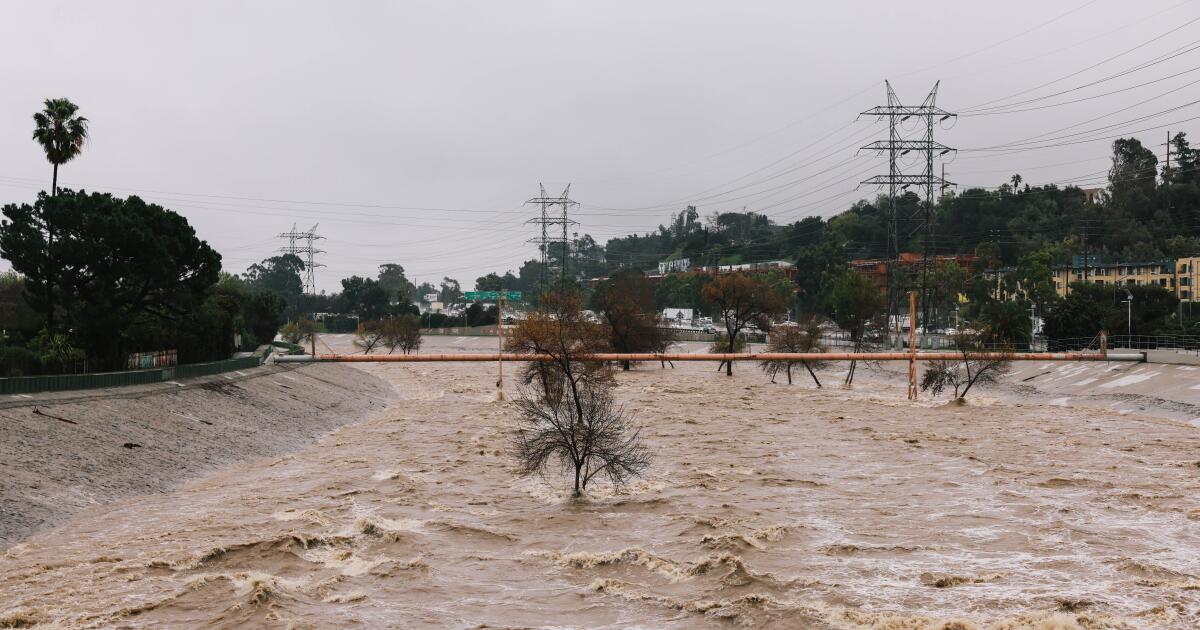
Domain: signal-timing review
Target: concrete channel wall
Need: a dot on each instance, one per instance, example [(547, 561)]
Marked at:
[(63, 452)]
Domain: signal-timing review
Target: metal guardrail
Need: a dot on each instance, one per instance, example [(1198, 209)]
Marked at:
[(93, 380), (97, 380), (464, 331), (216, 367)]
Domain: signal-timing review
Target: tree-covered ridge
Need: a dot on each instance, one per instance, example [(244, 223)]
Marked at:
[(1144, 214), (1148, 212)]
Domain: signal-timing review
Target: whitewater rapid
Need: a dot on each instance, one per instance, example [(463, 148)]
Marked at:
[(766, 506)]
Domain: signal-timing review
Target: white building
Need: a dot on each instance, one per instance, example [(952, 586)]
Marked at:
[(679, 264), (677, 315)]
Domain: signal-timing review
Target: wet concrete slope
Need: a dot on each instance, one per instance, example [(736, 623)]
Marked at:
[(64, 452)]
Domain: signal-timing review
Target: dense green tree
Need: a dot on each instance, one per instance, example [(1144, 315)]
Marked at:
[(451, 291), (1132, 178), (489, 282), (818, 266), (1005, 323), (17, 319), (399, 288), (120, 260), (1091, 308), (855, 303), (366, 298), (529, 278), (681, 290), (28, 239), (1035, 273), (280, 274), (478, 314), (263, 312)]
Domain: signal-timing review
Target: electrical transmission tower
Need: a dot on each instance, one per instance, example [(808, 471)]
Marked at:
[(547, 220), (305, 252), (896, 180)]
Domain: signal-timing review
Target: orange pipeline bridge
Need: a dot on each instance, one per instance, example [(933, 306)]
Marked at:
[(912, 357), (707, 356)]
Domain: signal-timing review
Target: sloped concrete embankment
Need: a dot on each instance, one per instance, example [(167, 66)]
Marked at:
[(64, 452)]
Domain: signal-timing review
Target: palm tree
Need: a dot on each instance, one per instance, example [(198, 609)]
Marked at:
[(1016, 182), (61, 133)]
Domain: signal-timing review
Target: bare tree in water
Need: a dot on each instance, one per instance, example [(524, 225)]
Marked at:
[(803, 336), (721, 345), (626, 306), (742, 299), (401, 331), (964, 373), (298, 332), (568, 418), (369, 336)]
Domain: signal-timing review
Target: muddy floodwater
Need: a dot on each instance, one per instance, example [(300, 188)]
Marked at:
[(766, 506)]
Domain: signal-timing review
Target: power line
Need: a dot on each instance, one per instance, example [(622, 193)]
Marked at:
[(986, 104), (1096, 96)]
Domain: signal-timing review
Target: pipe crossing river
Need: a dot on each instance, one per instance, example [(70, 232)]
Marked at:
[(740, 356)]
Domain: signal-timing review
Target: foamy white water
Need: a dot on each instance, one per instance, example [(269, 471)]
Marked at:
[(766, 506)]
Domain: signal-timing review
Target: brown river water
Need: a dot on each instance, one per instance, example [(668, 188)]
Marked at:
[(766, 506)]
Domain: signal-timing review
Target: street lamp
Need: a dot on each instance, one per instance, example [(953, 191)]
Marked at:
[(1128, 313)]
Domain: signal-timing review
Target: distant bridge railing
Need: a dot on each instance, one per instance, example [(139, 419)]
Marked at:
[(1178, 343)]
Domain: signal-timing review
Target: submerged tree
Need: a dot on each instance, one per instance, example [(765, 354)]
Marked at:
[(855, 303), (567, 415), (299, 332), (804, 336), (721, 345), (403, 332), (970, 369), (742, 299), (626, 305), (368, 336)]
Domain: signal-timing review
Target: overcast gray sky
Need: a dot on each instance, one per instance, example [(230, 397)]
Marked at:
[(414, 131)]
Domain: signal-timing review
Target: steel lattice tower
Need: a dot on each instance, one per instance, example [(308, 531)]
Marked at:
[(546, 220), (305, 253), (896, 147)]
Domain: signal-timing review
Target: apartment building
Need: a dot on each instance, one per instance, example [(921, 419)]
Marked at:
[(1180, 276)]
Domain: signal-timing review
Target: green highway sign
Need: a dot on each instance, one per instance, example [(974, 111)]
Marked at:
[(491, 295)]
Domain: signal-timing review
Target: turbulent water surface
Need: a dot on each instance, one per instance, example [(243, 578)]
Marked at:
[(767, 505)]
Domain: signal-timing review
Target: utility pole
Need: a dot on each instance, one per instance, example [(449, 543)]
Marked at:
[(895, 180), (500, 336), (1168, 169), (546, 220), (912, 345)]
